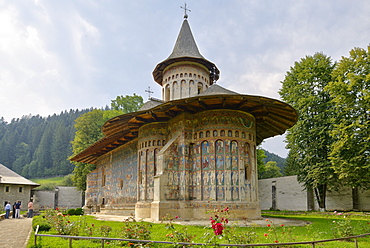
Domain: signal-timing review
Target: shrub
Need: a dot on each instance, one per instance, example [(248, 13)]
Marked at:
[(79, 211), (71, 211), (40, 221)]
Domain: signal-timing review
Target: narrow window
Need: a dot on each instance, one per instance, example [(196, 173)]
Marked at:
[(20, 189), (7, 189)]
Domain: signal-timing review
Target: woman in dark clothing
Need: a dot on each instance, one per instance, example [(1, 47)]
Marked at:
[(14, 209)]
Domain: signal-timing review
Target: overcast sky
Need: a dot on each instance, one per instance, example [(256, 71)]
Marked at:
[(75, 54)]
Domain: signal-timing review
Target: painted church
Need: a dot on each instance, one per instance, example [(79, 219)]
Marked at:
[(192, 151)]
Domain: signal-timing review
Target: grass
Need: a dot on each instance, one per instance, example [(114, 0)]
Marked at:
[(323, 226), (55, 180), (52, 182)]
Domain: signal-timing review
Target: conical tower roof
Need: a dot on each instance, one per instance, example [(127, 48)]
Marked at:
[(185, 49)]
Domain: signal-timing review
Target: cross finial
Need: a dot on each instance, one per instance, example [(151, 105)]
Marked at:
[(149, 91), (185, 9)]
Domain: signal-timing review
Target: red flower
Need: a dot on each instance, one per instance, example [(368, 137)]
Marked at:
[(282, 225), (268, 225), (276, 241), (265, 234)]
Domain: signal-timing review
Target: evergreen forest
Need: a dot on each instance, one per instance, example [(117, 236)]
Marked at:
[(36, 147)]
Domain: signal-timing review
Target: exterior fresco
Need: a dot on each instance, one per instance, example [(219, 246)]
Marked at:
[(113, 182)]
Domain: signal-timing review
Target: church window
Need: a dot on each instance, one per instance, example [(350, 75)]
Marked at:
[(230, 133), (155, 162), (158, 143), (237, 134), (222, 133), (121, 184), (200, 88), (195, 135), (146, 144), (243, 135), (215, 133), (200, 135), (250, 136), (173, 76), (185, 75), (167, 93), (181, 75), (190, 75), (149, 143), (208, 134), (177, 75), (103, 178), (163, 142)]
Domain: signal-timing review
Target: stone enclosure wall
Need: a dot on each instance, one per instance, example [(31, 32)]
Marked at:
[(286, 193), (61, 197)]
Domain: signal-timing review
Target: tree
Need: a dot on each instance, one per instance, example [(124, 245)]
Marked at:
[(88, 131), (127, 104), (309, 139), (271, 170), (350, 92), (260, 163)]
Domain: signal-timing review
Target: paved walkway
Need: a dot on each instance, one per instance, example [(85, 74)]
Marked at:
[(14, 233)]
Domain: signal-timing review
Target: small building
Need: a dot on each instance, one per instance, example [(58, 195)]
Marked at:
[(14, 187), (192, 151)]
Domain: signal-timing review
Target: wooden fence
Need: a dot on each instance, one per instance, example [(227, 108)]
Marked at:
[(105, 239)]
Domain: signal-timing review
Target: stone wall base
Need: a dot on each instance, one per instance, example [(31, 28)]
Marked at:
[(200, 210)]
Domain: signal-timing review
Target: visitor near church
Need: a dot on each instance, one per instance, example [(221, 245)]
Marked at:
[(30, 209), (18, 210), (7, 210)]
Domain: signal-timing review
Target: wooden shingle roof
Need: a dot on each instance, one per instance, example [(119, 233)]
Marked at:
[(273, 117)]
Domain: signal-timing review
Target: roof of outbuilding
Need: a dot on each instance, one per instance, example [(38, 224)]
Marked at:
[(10, 177)]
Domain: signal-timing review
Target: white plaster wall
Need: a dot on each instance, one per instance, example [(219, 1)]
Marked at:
[(43, 199), (265, 192), (290, 195), (341, 200), (69, 197), (364, 200)]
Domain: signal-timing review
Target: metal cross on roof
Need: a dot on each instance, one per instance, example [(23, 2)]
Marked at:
[(185, 9), (149, 91)]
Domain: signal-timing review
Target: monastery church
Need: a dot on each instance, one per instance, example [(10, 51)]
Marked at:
[(192, 151)]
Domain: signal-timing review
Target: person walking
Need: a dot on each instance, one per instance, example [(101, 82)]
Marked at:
[(7, 210), (18, 210), (30, 209)]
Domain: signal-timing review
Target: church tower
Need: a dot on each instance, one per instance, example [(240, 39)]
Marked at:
[(185, 73)]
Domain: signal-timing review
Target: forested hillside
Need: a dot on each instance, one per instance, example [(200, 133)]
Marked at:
[(35, 146), (280, 162)]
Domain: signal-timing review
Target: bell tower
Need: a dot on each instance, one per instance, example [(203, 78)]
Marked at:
[(185, 73)]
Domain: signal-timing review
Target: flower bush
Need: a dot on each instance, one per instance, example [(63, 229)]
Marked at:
[(176, 234)]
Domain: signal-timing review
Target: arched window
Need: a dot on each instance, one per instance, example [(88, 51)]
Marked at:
[(200, 88), (155, 161)]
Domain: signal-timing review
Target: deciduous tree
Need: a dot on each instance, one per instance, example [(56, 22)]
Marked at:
[(309, 139)]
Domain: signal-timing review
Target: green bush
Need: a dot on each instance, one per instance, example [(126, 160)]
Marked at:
[(40, 221), (71, 211), (79, 211)]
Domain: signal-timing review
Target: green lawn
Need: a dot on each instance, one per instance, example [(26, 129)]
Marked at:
[(323, 226)]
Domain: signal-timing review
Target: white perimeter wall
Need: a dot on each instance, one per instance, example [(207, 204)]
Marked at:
[(291, 195)]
